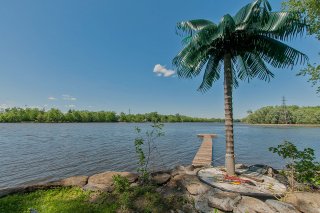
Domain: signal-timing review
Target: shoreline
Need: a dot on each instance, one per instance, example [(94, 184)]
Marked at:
[(182, 182), (285, 125)]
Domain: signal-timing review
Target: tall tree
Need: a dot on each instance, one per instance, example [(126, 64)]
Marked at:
[(242, 44), (310, 10)]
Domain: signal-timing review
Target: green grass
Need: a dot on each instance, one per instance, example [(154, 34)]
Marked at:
[(75, 200), (53, 200)]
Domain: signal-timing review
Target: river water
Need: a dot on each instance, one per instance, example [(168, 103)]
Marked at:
[(31, 153)]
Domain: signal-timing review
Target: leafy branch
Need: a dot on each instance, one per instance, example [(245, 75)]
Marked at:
[(148, 143)]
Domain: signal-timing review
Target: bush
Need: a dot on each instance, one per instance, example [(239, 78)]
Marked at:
[(301, 164), (121, 183), (147, 142)]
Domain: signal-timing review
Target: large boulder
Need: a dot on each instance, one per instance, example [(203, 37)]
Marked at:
[(160, 178), (252, 205), (193, 185), (188, 170), (240, 166), (104, 181), (307, 202), (197, 188), (225, 201), (79, 181), (201, 204), (281, 206)]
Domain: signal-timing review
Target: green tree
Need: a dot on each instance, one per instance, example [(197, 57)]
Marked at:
[(242, 44), (310, 10), (313, 71), (294, 115), (54, 116)]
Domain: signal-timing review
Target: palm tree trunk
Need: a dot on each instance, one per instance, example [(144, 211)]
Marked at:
[(229, 163)]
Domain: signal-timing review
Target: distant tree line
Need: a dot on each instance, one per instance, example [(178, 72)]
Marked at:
[(16, 115), (284, 115)]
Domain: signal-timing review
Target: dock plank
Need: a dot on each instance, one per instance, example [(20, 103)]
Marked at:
[(204, 155)]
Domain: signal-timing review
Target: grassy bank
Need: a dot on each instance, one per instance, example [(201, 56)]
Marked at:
[(70, 200), (286, 125), (284, 114)]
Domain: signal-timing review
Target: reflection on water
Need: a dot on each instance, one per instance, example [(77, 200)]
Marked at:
[(42, 152)]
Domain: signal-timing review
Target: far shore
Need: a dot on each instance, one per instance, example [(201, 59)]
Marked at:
[(285, 125)]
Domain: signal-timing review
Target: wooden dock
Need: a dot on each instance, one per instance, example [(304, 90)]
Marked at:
[(204, 154)]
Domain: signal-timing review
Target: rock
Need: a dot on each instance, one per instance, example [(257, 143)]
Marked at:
[(33, 210), (263, 169), (304, 201), (197, 188), (176, 181), (9, 191), (104, 181), (225, 201), (188, 208), (29, 188), (193, 185), (252, 205), (281, 178), (98, 187), (134, 184), (160, 178), (94, 197), (281, 206), (240, 166), (79, 181), (189, 170), (201, 204)]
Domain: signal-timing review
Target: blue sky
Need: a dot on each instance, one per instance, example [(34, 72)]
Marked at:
[(100, 55)]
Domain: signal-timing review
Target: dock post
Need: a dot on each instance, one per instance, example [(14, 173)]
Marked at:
[(204, 154)]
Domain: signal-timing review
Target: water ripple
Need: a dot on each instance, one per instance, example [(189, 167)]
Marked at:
[(32, 153)]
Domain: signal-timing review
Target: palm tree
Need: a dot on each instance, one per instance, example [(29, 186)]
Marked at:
[(243, 43)]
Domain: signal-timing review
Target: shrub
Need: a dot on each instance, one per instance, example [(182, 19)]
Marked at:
[(301, 164), (121, 184), (147, 142)]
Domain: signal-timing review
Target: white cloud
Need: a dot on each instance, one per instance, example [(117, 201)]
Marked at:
[(68, 98), (52, 98), (70, 106), (163, 71)]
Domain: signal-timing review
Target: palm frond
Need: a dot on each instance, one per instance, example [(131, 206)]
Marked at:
[(276, 53), (245, 13), (244, 72), (251, 14), (188, 28), (253, 37), (283, 26), (211, 74), (250, 65), (258, 67), (235, 82), (209, 34), (190, 61)]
